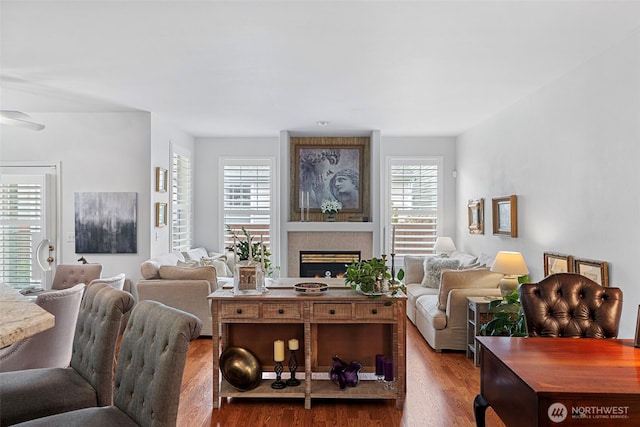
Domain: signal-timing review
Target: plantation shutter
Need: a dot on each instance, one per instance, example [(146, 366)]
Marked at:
[(415, 205), (247, 198), (181, 202), (22, 229)]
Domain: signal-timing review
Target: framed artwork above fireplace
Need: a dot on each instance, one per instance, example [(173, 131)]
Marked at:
[(329, 168)]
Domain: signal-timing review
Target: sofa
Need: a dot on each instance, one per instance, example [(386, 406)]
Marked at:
[(437, 291), (183, 280)]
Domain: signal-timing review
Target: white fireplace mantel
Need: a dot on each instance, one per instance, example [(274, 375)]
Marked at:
[(340, 226)]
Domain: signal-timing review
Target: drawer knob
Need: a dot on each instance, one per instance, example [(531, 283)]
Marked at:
[(280, 311), (238, 310), (374, 311), (332, 311)]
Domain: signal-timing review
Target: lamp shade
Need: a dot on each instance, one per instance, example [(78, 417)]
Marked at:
[(444, 245), (510, 264)]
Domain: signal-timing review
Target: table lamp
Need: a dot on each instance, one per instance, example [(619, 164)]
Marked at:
[(512, 265), (444, 245)]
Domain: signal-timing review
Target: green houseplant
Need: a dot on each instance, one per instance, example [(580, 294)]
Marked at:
[(508, 317), (258, 249), (366, 275)]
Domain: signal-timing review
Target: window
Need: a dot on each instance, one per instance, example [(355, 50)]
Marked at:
[(181, 201), (414, 198), (27, 225), (248, 199)]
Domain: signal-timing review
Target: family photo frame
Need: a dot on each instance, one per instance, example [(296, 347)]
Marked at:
[(329, 168), (162, 176)]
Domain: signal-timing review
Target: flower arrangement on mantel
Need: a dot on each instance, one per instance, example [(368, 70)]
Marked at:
[(330, 207)]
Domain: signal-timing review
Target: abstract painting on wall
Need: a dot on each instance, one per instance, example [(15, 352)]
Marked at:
[(106, 223)]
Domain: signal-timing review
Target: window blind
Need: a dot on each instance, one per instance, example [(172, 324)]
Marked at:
[(181, 203)]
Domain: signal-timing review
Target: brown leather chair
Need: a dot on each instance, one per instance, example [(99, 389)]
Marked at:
[(570, 305)]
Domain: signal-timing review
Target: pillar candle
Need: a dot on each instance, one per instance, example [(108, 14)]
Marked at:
[(388, 369), (278, 350), (379, 364), (235, 253), (308, 204), (293, 344), (261, 252), (250, 249)]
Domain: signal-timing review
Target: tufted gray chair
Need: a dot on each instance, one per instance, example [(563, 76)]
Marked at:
[(151, 361), (51, 348), (88, 382), (68, 275), (570, 305)]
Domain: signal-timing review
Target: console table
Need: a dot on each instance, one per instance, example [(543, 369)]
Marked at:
[(338, 322)]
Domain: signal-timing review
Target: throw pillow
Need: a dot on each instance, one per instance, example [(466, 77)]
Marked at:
[(222, 269), (432, 269), (188, 264)]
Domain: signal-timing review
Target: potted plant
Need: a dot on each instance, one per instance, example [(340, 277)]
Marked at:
[(508, 317), (258, 250), (368, 276), (331, 208)]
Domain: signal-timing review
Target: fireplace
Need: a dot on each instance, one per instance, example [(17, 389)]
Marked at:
[(326, 263)]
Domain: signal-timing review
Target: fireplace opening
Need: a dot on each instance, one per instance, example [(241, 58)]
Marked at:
[(326, 263)]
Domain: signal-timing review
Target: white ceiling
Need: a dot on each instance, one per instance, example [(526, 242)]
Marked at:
[(254, 68)]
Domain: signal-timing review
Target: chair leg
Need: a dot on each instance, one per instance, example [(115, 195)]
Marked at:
[(480, 405)]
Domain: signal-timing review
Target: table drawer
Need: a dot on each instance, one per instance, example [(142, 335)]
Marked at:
[(281, 311), (374, 311), (337, 311), (239, 311)]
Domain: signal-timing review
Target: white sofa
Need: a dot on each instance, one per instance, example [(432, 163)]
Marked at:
[(183, 280), (439, 310)]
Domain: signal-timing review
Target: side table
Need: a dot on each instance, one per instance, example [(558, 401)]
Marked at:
[(477, 315)]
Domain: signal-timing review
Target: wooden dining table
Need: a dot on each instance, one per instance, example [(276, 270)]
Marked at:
[(20, 317)]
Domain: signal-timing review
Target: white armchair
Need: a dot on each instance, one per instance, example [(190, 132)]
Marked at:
[(51, 348)]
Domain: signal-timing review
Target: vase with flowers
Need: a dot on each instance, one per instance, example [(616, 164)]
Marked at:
[(331, 208)]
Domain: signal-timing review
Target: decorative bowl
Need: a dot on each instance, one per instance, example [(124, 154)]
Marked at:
[(311, 288), (240, 368)]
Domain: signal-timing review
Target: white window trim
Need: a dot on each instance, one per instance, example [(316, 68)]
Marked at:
[(405, 160)]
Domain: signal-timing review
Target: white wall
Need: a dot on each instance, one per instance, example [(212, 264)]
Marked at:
[(97, 152), (570, 153), (163, 135), (208, 151)]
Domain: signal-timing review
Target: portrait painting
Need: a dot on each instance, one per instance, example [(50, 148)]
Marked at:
[(329, 169)]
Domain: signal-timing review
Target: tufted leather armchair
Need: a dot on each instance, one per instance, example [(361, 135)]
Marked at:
[(570, 305)]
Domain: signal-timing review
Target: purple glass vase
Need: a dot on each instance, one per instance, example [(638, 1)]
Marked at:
[(344, 374)]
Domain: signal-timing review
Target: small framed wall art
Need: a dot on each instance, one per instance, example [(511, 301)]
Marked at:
[(161, 180), (476, 216), (557, 263), (598, 271), (505, 215), (161, 214)]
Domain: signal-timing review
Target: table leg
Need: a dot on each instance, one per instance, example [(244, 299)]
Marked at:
[(480, 405)]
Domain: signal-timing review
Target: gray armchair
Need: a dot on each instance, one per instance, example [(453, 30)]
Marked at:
[(151, 362), (68, 275), (35, 393), (50, 348)]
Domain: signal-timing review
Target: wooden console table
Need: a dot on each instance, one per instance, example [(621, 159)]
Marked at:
[(339, 322)]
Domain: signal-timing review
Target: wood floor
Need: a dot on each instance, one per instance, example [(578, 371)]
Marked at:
[(440, 392)]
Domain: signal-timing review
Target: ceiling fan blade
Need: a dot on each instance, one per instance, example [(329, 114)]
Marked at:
[(16, 118)]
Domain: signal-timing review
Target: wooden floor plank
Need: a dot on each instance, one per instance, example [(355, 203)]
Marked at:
[(440, 392)]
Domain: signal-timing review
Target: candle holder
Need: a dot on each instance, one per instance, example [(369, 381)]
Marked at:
[(278, 383), (293, 366), (393, 268)]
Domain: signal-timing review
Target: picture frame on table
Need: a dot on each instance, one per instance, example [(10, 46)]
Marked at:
[(329, 168), (557, 263), (598, 271), (475, 211), (162, 175), (161, 214), (505, 215)]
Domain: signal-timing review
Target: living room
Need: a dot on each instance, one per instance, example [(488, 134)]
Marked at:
[(568, 150)]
